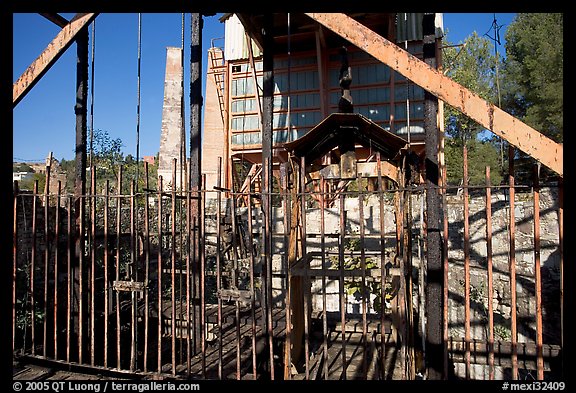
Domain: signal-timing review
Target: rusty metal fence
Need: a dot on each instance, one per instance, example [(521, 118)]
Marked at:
[(137, 283)]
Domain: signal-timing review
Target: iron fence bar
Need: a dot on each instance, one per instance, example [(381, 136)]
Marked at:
[(466, 263), (106, 273), (69, 278), (82, 201), (341, 282), (537, 277), (188, 282), (363, 282), (512, 264), (46, 259), (324, 305), (235, 281), (202, 271), (118, 231), (561, 249), (490, 276), (306, 268), (382, 265), (287, 203), (446, 266), (92, 264), (147, 266), (133, 276), (14, 263), (160, 305), (56, 261), (218, 262), (173, 265)]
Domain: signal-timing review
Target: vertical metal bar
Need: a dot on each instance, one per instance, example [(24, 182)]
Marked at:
[(69, 277), (173, 266), (188, 281), (286, 200), (512, 264), (323, 251), (445, 270), (218, 282), (196, 100), (306, 268), (490, 277), (106, 274), (118, 230), (132, 272), (382, 265), (466, 263), (56, 260), (537, 276), (14, 263), (561, 249), (147, 264), (93, 263), (82, 200), (252, 287), (235, 280), (363, 283), (160, 305), (46, 258), (341, 281), (202, 242)]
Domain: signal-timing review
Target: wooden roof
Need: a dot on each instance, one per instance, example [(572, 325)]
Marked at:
[(345, 126)]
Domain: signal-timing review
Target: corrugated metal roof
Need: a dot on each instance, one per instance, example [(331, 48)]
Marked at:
[(235, 46)]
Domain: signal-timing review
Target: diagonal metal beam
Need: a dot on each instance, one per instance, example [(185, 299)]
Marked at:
[(49, 56), (469, 103), (56, 19)]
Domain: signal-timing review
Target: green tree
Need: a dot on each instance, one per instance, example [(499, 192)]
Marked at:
[(533, 73), (473, 65)]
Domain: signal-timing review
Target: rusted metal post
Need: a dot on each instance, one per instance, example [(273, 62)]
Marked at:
[(561, 249), (537, 276), (434, 210), (466, 262), (235, 280), (15, 262), (323, 251), (252, 287), (92, 264), (195, 155), (306, 267), (160, 304), (341, 267), (490, 276), (512, 264), (445, 271), (189, 250), (106, 273), (267, 163), (46, 253), (363, 290), (80, 177), (202, 272), (118, 232), (382, 266), (173, 266), (133, 276), (69, 259), (218, 263), (147, 264)]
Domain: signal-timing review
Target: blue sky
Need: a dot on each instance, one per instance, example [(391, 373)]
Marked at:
[(44, 120)]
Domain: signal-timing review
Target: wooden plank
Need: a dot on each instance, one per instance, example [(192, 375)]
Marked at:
[(48, 57), (469, 103)]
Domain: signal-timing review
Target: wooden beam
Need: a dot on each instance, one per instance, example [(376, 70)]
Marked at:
[(469, 103), (48, 57), (367, 169)]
